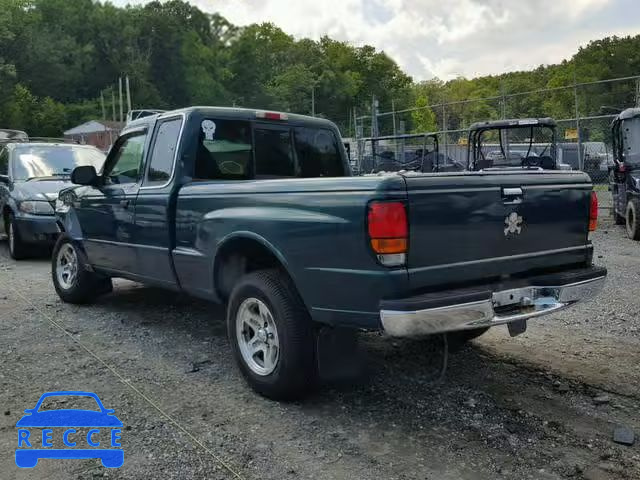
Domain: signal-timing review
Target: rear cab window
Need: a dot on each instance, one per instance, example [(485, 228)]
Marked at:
[(274, 156), (244, 150), (224, 150), (318, 152)]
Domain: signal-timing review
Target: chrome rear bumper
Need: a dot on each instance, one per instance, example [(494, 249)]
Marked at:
[(498, 308)]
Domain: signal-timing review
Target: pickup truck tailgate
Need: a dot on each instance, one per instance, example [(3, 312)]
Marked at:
[(474, 225)]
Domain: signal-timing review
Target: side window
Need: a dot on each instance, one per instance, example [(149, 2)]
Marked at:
[(224, 150), (128, 160), (318, 153), (274, 153), (164, 152), (4, 161)]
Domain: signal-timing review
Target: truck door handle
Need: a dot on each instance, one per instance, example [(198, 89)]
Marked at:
[(124, 203), (512, 195)]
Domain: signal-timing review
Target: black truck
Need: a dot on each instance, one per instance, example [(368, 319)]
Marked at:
[(624, 175)]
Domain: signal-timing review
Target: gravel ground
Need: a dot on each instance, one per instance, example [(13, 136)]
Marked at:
[(543, 405)]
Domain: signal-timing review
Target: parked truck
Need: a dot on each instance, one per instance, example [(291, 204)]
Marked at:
[(259, 210), (624, 174)]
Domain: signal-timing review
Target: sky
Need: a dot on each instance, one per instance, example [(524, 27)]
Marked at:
[(445, 38)]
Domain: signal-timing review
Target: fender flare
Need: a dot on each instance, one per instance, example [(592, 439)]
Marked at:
[(247, 235)]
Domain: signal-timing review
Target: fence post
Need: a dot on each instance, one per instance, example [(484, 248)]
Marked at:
[(356, 136), (580, 159), (504, 101), (444, 128)]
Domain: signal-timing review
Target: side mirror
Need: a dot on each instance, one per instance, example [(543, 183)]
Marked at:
[(84, 175)]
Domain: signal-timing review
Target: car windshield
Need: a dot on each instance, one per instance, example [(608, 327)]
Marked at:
[(69, 402), (517, 146), (38, 161), (12, 134)]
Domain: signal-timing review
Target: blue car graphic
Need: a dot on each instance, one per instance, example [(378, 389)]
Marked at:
[(27, 457)]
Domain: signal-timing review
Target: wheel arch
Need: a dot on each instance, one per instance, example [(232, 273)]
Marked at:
[(241, 253)]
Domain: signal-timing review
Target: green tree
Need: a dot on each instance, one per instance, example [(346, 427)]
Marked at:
[(424, 120), (49, 118), (292, 89), (19, 112), (56, 56)]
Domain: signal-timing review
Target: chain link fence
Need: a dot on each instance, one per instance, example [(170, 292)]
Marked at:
[(583, 111)]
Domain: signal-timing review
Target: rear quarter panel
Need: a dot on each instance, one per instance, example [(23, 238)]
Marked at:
[(316, 227)]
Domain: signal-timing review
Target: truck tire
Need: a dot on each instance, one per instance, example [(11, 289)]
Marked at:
[(73, 282), (457, 340), (272, 335), (633, 221), (18, 249)]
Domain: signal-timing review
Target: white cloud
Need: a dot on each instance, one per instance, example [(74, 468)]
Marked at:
[(446, 38)]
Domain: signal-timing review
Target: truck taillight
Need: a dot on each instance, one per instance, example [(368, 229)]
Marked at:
[(593, 212), (388, 232)]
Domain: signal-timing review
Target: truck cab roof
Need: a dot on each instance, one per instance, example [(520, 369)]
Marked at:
[(233, 113), (628, 114)]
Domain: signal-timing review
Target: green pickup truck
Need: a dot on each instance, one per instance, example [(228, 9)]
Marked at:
[(259, 210)]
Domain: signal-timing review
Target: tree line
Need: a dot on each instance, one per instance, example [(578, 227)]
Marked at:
[(57, 56)]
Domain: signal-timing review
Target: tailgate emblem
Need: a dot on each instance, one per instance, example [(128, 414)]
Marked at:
[(513, 223)]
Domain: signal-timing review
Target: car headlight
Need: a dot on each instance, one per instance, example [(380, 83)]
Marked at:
[(36, 207), (61, 206)]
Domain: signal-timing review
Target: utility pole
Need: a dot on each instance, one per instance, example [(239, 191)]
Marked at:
[(104, 112), (113, 111), (120, 93), (128, 95), (393, 116), (637, 92), (355, 124), (113, 104), (104, 119), (374, 116), (313, 100)]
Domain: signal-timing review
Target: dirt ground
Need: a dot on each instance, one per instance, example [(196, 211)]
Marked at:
[(543, 405)]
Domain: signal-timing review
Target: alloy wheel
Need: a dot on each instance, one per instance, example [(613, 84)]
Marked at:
[(67, 266), (257, 336)]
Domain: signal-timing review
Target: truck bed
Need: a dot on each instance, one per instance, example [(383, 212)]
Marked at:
[(457, 238)]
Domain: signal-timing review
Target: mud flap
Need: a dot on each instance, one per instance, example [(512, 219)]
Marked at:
[(517, 328), (338, 354)]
